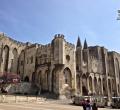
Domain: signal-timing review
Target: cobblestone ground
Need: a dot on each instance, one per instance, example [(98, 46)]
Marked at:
[(47, 105)]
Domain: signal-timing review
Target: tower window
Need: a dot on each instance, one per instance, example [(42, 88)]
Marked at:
[(68, 58)]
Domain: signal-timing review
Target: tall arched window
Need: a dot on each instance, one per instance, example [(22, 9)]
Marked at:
[(5, 58), (14, 62), (84, 85)]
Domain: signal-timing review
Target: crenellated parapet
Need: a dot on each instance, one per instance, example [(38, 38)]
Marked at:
[(3, 36), (45, 46), (69, 45), (59, 36)]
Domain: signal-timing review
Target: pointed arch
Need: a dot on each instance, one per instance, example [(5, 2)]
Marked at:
[(95, 85), (33, 77), (109, 85), (5, 58), (90, 84), (99, 86), (14, 62), (104, 86), (84, 85), (46, 80), (67, 76)]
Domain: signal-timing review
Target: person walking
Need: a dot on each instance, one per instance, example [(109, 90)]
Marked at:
[(84, 105), (94, 107), (88, 105)]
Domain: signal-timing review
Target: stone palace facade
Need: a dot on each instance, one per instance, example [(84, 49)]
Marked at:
[(60, 67)]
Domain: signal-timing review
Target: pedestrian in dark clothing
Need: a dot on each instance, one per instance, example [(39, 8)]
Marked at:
[(88, 106), (94, 107), (84, 105)]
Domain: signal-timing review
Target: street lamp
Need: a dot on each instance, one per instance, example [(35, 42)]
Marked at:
[(118, 18)]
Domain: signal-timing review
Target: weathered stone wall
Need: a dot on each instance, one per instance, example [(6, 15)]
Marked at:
[(30, 60), (60, 68), (10, 50)]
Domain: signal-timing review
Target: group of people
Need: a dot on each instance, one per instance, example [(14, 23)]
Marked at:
[(88, 106)]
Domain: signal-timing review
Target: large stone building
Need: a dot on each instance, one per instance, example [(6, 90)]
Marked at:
[(61, 68)]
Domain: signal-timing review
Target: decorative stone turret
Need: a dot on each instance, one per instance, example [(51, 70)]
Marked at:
[(79, 56), (86, 57)]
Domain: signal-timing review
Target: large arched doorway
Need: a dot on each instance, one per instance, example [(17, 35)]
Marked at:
[(54, 80), (84, 85), (67, 83), (5, 58)]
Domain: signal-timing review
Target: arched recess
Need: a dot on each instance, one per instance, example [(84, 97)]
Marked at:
[(117, 68), (95, 85), (84, 85), (14, 62), (54, 81), (67, 77), (113, 86), (39, 76), (5, 58), (78, 82), (104, 86), (118, 88), (109, 85), (21, 63), (26, 79), (33, 77), (99, 86), (46, 80), (90, 84)]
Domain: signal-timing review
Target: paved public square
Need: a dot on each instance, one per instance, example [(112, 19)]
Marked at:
[(42, 106)]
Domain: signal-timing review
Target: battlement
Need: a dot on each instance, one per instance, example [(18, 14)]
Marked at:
[(59, 36), (45, 46), (114, 53), (70, 44), (4, 36)]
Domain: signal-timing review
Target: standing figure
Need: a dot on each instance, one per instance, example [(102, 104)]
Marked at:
[(88, 105), (84, 105), (94, 107)]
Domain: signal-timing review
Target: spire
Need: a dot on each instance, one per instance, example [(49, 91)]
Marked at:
[(85, 44), (79, 42)]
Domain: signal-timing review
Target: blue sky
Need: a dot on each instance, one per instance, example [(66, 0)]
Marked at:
[(39, 20)]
